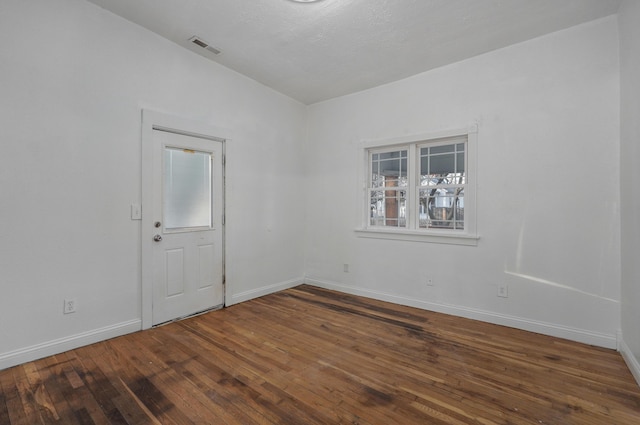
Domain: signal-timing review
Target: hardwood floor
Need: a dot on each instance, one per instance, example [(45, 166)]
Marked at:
[(312, 356)]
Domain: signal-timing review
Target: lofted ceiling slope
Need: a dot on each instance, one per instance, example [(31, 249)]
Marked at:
[(317, 51)]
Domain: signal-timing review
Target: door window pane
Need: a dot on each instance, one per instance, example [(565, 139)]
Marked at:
[(186, 188)]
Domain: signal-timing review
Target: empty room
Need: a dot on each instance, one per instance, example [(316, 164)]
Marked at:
[(362, 212)]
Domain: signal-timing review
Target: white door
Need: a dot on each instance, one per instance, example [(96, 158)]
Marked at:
[(187, 211)]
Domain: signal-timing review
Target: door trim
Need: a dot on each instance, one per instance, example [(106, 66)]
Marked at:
[(151, 121)]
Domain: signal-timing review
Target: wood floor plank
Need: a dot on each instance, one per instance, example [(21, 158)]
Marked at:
[(102, 390), (82, 400), (161, 367), (337, 369), (4, 410), (41, 399), (313, 356), (351, 386), (15, 409), (261, 380), (59, 389), (142, 388), (370, 370)]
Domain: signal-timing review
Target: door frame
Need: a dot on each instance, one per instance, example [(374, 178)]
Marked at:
[(151, 121)]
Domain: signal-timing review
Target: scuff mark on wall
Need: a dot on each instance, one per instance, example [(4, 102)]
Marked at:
[(559, 285)]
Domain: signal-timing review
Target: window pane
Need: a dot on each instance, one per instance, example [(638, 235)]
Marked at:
[(460, 162), (442, 208), (442, 165), (389, 169), (388, 208), (376, 178), (393, 155), (187, 188), (442, 149), (424, 164)]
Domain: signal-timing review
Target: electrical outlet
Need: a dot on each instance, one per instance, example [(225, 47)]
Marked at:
[(429, 281), (503, 291), (70, 305), (345, 268)]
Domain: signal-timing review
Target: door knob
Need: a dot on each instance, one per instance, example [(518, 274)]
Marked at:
[(157, 238)]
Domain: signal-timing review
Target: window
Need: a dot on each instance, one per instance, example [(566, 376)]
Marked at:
[(388, 188), (441, 185), (187, 188), (421, 189)]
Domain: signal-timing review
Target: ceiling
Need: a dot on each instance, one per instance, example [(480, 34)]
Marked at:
[(317, 51)]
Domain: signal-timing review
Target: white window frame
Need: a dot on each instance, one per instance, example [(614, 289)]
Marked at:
[(466, 236)]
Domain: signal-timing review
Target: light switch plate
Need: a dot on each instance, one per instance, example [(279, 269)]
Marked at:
[(136, 212)]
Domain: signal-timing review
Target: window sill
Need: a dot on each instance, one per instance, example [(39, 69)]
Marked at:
[(419, 236)]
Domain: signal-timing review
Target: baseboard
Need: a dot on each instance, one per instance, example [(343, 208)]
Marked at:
[(630, 359), (565, 332), (57, 346), (262, 291)]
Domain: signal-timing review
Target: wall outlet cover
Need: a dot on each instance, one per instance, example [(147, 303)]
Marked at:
[(503, 291), (70, 305)]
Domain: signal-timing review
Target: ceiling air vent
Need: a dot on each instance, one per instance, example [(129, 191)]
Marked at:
[(200, 42)]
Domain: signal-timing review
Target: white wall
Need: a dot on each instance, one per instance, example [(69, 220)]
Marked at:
[(548, 203), (74, 78), (629, 17), (73, 81)]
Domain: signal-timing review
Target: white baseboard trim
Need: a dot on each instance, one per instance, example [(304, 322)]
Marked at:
[(57, 346), (560, 331), (630, 359), (262, 291)]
